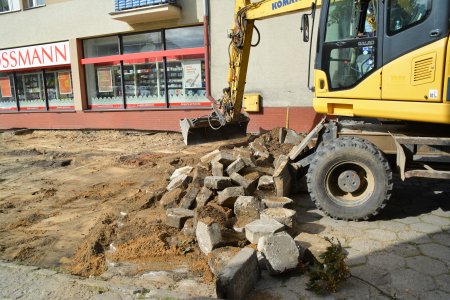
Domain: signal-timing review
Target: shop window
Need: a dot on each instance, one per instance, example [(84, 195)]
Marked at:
[(7, 92), (144, 42), (34, 3), (9, 5), (144, 83), (101, 47), (186, 37), (186, 82), (104, 84), (30, 90), (59, 89)]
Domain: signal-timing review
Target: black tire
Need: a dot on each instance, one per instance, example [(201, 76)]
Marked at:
[(350, 179)]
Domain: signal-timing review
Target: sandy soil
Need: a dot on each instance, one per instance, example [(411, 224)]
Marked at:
[(84, 200)]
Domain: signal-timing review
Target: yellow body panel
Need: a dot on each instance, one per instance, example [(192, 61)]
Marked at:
[(251, 102), (398, 110), (274, 8), (369, 88), (447, 73), (416, 76)]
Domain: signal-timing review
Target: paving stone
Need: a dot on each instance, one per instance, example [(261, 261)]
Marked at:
[(404, 250), (439, 212), (364, 225), (188, 200), (210, 156), (181, 171), (170, 199), (292, 137), (434, 295), (198, 175), (236, 166), (380, 235), (443, 282), (176, 217), (314, 243), (228, 196), (259, 228), (427, 265), (355, 258), (208, 235), (411, 282), (272, 202), (282, 177), (248, 207), (386, 261), (409, 220), (366, 246), (259, 150), (219, 258), (327, 221), (248, 182), (436, 251), (203, 196), (225, 157), (442, 238), (393, 226), (436, 220), (283, 215), (217, 182), (217, 169), (413, 237), (189, 228), (266, 182), (280, 251), (180, 181), (372, 274)]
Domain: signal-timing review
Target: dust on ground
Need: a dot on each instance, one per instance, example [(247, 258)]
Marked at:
[(69, 198)]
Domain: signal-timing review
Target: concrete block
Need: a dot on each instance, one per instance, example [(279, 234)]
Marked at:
[(228, 196), (236, 166), (283, 215), (217, 182), (181, 181), (217, 168), (189, 199), (181, 171), (207, 158), (199, 175), (280, 251), (259, 228), (266, 182), (217, 213), (259, 150), (208, 235), (315, 244), (272, 202), (219, 258), (170, 199), (292, 137), (282, 176), (204, 196), (248, 207), (189, 228), (239, 276), (248, 182), (176, 217), (225, 157)]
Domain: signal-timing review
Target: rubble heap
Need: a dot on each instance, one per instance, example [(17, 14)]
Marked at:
[(234, 198)]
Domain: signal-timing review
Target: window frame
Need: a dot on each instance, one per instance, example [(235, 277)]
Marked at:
[(35, 5), (164, 54), (12, 7)]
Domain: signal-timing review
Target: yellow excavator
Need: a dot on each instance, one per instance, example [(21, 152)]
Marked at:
[(381, 77)]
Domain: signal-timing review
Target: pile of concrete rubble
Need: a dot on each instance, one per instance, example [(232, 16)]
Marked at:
[(231, 200)]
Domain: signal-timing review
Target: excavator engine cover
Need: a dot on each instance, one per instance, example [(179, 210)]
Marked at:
[(207, 129)]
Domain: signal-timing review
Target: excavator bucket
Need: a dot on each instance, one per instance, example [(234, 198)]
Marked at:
[(208, 129)]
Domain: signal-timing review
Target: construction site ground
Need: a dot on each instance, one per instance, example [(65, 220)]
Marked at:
[(78, 220)]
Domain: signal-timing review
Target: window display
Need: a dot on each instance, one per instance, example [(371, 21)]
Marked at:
[(104, 84), (59, 89), (7, 92), (30, 90)]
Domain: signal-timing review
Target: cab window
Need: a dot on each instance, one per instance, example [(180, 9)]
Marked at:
[(403, 14)]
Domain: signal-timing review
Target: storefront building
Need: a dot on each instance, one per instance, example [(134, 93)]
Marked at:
[(139, 64)]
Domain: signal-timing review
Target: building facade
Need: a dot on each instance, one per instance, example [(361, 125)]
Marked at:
[(140, 64)]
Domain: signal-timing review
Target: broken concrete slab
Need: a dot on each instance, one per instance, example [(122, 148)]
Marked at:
[(176, 217), (181, 171), (282, 176), (283, 215), (180, 181), (217, 182), (203, 196), (266, 182), (280, 251), (207, 158), (248, 182), (272, 202), (259, 228), (248, 207), (236, 166), (239, 276), (219, 258), (228, 196), (315, 244), (292, 137), (208, 235), (217, 168), (170, 199), (188, 200), (259, 150)]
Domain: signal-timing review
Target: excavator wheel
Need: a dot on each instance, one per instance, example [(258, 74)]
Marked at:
[(350, 179)]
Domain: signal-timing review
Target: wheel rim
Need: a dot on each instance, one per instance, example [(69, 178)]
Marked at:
[(350, 183)]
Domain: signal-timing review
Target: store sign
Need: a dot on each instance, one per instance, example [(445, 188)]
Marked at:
[(35, 56), (5, 86), (65, 86)]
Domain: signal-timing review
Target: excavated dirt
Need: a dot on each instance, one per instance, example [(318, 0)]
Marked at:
[(85, 200)]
